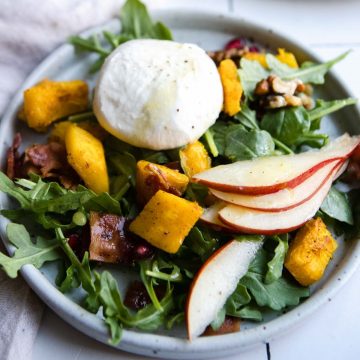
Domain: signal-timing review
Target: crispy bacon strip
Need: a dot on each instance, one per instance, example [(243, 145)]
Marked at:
[(110, 242), (13, 160), (50, 161)]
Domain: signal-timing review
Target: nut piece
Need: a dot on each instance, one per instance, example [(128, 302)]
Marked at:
[(262, 88), (275, 102), (293, 100), (307, 101), (233, 54), (280, 86)]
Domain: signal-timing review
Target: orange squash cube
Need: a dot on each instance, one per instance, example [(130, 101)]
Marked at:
[(166, 220), (194, 159), (51, 100), (310, 252)]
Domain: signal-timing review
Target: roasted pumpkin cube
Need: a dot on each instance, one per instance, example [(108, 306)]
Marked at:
[(283, 56), (166, 220), (287, 58), (59, 129), (85, 153), (51, 100), (152, 177), (255, 56), (194, 158), (231, 86), (310, 252)]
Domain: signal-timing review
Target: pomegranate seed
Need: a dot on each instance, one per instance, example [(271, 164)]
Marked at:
[(143, 251), (238, 43), (74, 241), (254, 49)]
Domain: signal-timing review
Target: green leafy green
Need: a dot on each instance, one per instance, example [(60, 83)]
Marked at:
[(27, 252), (247, 117), (275, 265), (48, 203), (276, 295), (117, 315), (219, 319), (324, 108), (237, 300), (157, 267), (250, 73), (308, 71), (250, 312), (149, 283), (287, 125), (201, 242), (211, 143), (337, 206), (136, 23), (124, 164), (245, 145)]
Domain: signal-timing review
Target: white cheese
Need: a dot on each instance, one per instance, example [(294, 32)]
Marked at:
[(158, 94)]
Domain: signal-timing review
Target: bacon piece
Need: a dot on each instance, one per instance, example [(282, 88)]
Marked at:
[(110, 241), (14, 163), (50, 161), (230, 325)]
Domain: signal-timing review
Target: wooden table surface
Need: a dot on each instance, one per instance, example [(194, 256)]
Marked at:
[(329, 28)]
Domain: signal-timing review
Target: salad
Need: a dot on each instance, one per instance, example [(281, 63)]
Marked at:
[(204, 174)]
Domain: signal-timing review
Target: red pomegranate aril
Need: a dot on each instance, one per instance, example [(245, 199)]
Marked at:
[(254, 49), (143, 251), (136, 296), (74, 241), (238, 43)]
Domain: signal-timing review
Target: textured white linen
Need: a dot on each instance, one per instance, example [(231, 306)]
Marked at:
[(29, 30)]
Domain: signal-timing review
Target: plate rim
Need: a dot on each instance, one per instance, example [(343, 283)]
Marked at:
[(162, 345)]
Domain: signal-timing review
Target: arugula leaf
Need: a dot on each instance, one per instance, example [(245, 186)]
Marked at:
[(250, 73), (287, 125), (211, 143), (71, 280), (159, 264), (277, 295), (219, 319), (103, 203), (337, 206), (307, 73), (245, 145), (124, 164), (275, 265), (48, 203), (136, 23), (247, 117), (201, 242), (324, 108), (27, 252), (219, 131), (148, 282), (250, 312), (237, 300), (117, 315)]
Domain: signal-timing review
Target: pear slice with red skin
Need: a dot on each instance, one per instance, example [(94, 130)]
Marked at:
[(215, 282), (270, 174), (210, 216), (251, 221), (285, 199)]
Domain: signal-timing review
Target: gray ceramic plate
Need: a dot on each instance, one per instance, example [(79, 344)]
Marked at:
[(211, 32)]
